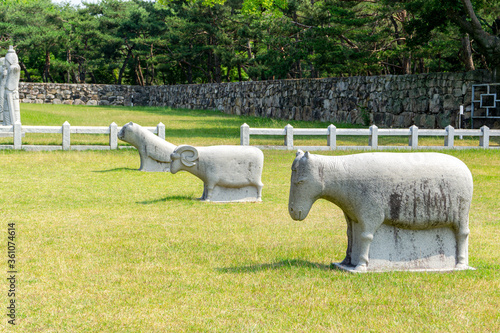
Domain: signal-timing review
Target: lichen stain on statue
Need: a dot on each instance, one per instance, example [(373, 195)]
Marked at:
[(153, 150), (11, 74), (229, 173), (404, 211)]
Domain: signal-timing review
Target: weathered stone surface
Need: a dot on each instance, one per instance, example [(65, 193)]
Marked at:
[(405, 205), (153, 150), (10, 88), (229, 173)]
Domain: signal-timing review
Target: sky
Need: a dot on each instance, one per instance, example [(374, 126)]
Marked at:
[(73, 2)]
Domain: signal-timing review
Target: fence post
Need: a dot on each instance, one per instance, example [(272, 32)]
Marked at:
[(113, 136), (66, 135), (413, 137), (484, 140), (160, 128), (289, 137), (373, 140), (18, 135), (331, 139), (244, 135), (449, 139)]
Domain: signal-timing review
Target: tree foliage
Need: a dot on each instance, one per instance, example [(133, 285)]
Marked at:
[(198, 41)]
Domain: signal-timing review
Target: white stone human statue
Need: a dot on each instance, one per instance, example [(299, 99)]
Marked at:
[(11, 107), (3, 79), (404, 211)]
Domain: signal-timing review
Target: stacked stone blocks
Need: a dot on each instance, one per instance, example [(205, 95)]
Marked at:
[(425, 100)]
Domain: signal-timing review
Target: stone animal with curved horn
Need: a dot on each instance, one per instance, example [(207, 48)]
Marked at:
[(403, 195), (153, 150), (229, 173)]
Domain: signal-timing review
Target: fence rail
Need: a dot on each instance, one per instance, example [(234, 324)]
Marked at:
[(17, 131), (373, 132)]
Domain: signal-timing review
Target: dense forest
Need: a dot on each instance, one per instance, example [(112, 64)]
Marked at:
[(198, 41)]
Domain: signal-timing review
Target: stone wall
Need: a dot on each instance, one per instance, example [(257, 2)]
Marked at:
[(426, 100), (82, 94)]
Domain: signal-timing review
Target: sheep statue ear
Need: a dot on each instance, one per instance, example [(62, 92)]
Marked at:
[(188, 154), (307, 155)]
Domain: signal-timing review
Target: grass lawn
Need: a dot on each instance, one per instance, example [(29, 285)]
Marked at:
[(101, 247)]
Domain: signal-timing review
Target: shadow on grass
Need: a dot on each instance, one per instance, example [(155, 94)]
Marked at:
[(283, 264), (170, 198), (116, 169)]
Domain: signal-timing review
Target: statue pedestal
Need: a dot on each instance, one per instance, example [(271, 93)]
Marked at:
[(227, 194), (395, 249)]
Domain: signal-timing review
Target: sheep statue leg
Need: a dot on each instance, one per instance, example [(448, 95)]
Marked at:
[(204, 194), (259, 191), (364, 253), (348, 253), (462, 236), (209, 188)]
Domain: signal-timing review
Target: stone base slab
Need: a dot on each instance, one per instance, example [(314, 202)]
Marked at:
[(226, 194), (396, 249), (351, 269)]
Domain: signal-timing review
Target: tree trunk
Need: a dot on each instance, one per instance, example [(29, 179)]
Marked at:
[(68, 73), (421, 66), (25, 70), (488, 44), (94, 81), (217, 69), (122, 69), (466, 53), (249, 49), (228, 74), (140, 76), (152, 71), (82, 71), (406, 64), (46, 69), (190, 74)]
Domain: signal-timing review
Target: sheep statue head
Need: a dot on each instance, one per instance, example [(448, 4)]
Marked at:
[(183, 158)]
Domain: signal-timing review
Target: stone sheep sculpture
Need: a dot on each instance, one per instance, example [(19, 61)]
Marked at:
[(153, 150), (415, 191), (229, 173)]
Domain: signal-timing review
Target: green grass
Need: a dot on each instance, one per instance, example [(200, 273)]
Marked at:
[(102, 247)]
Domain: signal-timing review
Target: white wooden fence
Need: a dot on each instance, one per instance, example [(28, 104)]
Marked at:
[(18, 131), (373, 132)]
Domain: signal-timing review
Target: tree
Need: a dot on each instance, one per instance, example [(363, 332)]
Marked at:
[(35, 27), (488, 43), (478, 23)]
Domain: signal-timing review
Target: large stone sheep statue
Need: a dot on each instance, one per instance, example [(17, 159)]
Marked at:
[(412, 206), (229, 173), (153, 150)]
